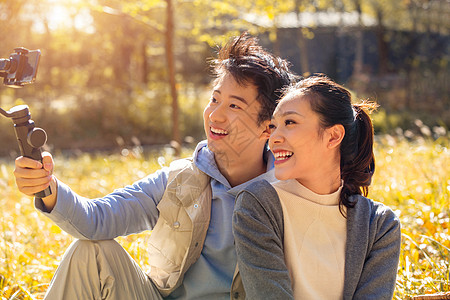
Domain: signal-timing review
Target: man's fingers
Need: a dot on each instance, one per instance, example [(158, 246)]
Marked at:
[(31, 190), (33, 176), (47, 161), (30, 186), (25, 162), (30, 182), (30, 173)]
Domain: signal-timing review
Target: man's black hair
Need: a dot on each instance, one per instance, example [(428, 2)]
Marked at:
[(249, 63)]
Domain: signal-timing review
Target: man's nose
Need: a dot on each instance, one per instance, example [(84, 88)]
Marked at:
[(217, 114)]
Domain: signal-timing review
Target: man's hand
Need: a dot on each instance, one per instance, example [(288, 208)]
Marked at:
[(33, 176)]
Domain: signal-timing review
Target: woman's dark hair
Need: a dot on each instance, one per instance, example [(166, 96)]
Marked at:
[(249, 63), (333, 104)]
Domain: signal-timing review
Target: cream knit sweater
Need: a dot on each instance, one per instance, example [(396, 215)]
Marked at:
[(314, 241)]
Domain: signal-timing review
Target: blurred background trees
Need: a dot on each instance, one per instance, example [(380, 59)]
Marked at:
[(116, 73)]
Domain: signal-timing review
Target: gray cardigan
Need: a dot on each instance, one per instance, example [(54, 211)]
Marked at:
[(371, 255)]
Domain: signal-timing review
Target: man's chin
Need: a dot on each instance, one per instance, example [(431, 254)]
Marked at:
[(216, 147)]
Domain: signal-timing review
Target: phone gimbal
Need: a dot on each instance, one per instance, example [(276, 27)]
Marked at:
[(19, 69)]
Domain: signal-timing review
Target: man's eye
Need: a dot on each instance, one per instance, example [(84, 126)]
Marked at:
[(234, 106), (272, 126)]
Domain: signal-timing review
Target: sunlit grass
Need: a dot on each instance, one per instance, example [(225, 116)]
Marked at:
[(412, 177)]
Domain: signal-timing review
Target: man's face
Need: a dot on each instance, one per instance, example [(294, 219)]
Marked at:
[(230, 119)]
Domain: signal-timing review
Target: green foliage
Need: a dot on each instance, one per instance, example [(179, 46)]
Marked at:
[(95, 120), (385, 123), (408, 123), (103, 72)]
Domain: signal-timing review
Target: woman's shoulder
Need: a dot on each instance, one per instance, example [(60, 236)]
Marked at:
[(375, 206), (260, 190), (373, 210), (261, 200)]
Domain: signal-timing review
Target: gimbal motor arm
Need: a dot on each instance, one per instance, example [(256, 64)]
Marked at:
[(5, 65)]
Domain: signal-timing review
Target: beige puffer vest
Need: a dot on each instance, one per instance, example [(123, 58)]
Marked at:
[(177, 239)]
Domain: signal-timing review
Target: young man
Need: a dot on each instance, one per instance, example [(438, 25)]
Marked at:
[(188, 205)]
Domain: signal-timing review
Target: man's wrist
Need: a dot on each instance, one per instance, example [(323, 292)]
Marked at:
[(50, 201)]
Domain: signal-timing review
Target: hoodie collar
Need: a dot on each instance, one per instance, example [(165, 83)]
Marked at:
[(204, 160)]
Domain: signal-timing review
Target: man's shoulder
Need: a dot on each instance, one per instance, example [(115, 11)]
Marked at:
[(186, 172), (181, 163)]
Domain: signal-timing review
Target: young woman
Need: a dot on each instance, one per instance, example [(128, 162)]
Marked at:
[(313, 234)]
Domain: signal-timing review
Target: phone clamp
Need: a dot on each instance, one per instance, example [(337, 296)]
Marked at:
[(19, 69)]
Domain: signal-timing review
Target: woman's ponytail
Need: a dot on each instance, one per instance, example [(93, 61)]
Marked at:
[(358, 162)]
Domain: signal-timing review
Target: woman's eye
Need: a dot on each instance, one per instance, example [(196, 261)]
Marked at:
[(289, 122), (213, 100), (234, 106), (272, 126)]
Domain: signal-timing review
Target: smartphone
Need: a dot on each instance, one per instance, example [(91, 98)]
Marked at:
[(26, 64)]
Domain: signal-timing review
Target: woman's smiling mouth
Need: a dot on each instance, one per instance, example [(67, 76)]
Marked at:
[(282, 155)]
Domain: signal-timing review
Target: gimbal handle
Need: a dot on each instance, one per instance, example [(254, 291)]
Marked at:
[(29, 137)]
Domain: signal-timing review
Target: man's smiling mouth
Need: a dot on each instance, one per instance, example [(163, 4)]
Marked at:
[(218, 131)]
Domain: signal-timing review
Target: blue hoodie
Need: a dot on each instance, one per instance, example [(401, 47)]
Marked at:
[(132, 209)]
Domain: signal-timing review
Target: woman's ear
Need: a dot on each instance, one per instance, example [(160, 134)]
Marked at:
[(335, 135)]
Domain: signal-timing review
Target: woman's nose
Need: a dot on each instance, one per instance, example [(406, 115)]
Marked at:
[(276, 137)]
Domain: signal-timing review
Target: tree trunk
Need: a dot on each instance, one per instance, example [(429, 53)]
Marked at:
[(144, 75), (176, 138), (304, 58), (412, 48), (383, 47), (359, 52), (276, 41)]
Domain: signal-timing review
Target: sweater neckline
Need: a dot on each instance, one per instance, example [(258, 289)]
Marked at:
[(292, 186)]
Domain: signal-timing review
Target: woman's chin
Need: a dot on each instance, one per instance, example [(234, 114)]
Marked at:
[(281, 175)]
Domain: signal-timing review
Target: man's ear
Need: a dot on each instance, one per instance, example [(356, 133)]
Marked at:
[(266, 130), (335, 135)]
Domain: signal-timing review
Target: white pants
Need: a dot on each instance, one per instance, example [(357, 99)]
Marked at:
[(100, 270)]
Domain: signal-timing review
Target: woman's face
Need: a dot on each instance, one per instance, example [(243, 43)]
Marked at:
[(297, 140)]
